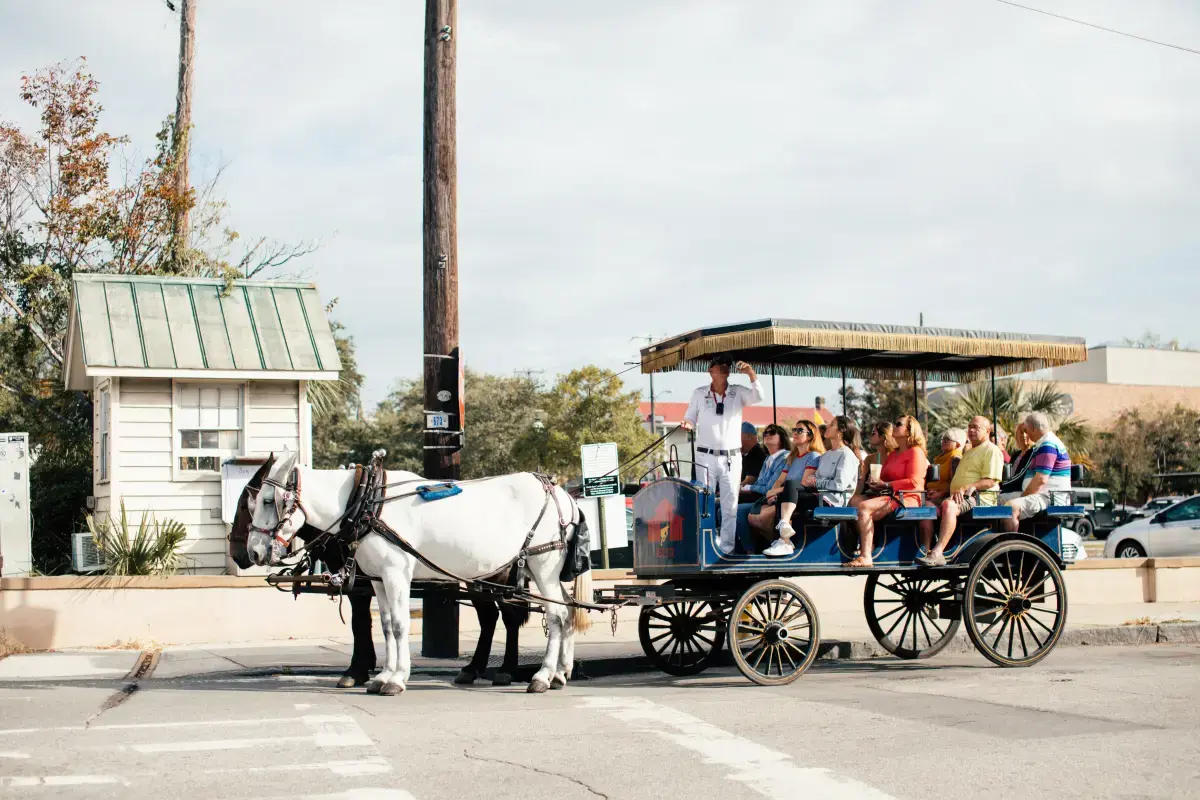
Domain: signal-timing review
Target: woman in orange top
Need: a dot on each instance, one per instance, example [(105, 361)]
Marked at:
[(901, 483)]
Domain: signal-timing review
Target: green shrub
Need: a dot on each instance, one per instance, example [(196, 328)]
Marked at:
[(153, 549)]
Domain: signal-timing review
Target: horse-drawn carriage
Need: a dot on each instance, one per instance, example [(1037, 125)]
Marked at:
[(1007, 587)]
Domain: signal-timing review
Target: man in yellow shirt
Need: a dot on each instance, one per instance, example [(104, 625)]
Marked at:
[(980, 470)]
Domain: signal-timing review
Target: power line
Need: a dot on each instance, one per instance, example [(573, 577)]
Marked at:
[(1099, 27)]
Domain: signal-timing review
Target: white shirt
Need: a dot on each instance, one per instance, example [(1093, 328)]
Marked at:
[(721, 431)]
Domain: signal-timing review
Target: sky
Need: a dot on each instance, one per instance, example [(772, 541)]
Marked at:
[(641, 168)]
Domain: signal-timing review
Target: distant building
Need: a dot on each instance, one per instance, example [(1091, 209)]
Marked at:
[(1115, 378)]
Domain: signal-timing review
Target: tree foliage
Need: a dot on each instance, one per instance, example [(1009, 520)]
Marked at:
[(1014, 400), (881, 400), (1139, 445)]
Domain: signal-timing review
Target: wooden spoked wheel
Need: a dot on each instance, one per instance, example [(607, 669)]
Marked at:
[(682, 637), (904, 613), (774, 633), (1015, 604)]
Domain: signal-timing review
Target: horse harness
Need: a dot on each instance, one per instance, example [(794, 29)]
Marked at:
[(363, 517)]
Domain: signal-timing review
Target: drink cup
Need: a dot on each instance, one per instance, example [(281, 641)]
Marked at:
[(876, 472)]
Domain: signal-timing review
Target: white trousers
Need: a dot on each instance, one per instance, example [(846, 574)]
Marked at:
[(723, 474)]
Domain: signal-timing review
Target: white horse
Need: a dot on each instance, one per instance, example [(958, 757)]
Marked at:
[(474, 534)]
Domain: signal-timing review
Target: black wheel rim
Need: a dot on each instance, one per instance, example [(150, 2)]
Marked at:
[(682, 635), (1017, 605), (773, 636), (904, 613)]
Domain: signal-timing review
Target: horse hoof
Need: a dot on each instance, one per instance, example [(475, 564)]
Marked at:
[(374, 687), (557, 682), (346, 682), (465, 678), (537, 687), (502, 679), (391, 689)]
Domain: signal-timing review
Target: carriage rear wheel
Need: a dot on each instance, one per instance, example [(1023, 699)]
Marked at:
[(774, 633), (904, 613), (682, 637), (1015, 604)]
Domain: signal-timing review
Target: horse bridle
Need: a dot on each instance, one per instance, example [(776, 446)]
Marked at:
[(291, 504)]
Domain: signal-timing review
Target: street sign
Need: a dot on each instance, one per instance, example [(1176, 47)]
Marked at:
[(600, 462), (436, 420)]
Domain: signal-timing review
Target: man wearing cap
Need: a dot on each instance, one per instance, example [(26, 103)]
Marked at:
[(715, 414), (754, 455)]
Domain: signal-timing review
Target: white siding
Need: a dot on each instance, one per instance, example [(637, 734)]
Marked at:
[(143, 461), (273, 418)]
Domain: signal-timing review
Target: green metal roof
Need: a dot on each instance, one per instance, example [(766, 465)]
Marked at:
[(126, 325)]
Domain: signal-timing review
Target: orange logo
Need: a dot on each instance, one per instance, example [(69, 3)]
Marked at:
[(665, 525)]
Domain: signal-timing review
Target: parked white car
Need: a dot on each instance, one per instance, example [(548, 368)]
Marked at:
[(1173, 531), (1072, 546)]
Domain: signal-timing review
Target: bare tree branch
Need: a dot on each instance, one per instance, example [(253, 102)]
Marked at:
[(33, 326)]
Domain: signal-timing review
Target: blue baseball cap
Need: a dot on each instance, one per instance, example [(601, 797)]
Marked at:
[(749, 429)]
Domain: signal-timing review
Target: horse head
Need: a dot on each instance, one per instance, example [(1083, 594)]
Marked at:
[(276, 513), (240, 529)]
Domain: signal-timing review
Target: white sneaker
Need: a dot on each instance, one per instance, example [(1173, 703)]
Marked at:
[(779, 548), (785, 529)]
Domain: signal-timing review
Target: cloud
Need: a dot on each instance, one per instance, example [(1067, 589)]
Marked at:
[(636, 168)]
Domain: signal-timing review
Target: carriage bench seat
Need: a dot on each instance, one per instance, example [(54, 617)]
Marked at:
[(991, 512), (834, 514), (1066, 512), (1004, 512), (918, 514)]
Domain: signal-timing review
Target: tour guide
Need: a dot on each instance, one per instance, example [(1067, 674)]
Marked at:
[(715, 414)]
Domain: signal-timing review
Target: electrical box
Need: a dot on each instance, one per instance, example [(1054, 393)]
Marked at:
[(16, 546)]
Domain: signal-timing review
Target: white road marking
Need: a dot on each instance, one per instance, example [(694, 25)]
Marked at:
[(62, 780), (12, 754), (768, 772), (302, 706), (327, 731), (140, 725), (374, 765)]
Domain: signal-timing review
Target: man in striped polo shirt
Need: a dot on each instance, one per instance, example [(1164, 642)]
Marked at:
[(1048, 479)]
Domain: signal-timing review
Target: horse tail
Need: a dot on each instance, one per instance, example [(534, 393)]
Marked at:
[(582, 592)]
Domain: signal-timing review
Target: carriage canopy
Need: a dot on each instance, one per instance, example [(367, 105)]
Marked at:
[(864, 350)]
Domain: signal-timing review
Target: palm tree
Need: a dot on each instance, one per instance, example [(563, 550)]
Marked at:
[(1013, 401)]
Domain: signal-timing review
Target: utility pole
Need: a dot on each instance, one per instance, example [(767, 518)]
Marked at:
[(439, 622), (181, 144)]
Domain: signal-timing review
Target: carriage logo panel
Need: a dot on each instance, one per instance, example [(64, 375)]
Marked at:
[(670, 516)]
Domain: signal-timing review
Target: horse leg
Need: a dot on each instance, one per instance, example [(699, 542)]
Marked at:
[(487, 613), (399, 586), (545, 574), (362, 662), (389, 640), (514, 617)]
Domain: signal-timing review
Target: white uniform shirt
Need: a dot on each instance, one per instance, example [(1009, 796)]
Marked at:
[(721, 431)]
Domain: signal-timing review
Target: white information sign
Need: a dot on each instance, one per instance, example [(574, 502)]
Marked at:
[(599, 459)]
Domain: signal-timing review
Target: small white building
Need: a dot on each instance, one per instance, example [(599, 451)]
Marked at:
[(185, 374)]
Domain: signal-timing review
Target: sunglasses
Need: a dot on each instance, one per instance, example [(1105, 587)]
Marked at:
[(802, 430)]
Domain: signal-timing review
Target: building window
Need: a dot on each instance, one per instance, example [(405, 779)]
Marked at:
[(208, 426), (105, 416)]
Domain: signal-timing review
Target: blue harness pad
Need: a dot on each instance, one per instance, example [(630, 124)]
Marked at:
[(438, 491)]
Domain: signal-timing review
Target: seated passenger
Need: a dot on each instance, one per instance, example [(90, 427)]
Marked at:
[(901, 483), (806, 449), (974, 484), (882, 445), (953, 441), (775, 439), (753, 454), (1020, 464), (1047, 480), (832, 484)]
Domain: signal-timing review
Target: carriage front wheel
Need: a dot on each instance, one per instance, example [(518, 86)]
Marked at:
[(1015, 604), (905, 612), (682, 637), (774, 633)]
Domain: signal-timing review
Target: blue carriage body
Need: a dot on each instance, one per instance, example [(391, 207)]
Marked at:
[(675, 534)]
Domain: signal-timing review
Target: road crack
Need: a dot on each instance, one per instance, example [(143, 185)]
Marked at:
[(142, 668), (467, 754)]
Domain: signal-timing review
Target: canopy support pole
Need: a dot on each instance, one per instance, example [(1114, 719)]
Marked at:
[(774, 402), (845, 404), (916, 398), (995, 424)]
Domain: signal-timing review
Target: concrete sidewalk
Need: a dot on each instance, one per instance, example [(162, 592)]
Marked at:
[(844, 634)]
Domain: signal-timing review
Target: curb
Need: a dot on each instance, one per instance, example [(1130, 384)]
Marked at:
[(831, 650)]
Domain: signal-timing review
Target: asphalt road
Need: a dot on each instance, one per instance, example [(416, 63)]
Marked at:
[(1087, 723)]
